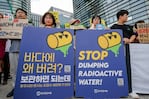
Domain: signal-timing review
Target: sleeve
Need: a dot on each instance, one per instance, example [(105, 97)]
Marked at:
[(132, 32), (113, 27)]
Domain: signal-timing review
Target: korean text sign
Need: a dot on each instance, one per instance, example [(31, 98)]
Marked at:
[(45, 68), (12, 29)]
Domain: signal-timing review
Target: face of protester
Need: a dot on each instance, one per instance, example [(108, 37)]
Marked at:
[(124, 18), (48, 20), (96, 20), (21, 14)]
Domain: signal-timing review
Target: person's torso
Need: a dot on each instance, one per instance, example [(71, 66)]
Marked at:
[(127, 30), (15, 45)]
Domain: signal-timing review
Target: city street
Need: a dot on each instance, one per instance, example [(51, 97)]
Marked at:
[(4, 89)]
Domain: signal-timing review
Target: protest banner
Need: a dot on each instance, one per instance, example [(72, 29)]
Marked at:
[(139, 64), (100, 65), (143, 32), (12, 29), (46, 64)]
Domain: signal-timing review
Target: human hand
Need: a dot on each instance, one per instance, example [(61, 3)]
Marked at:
[(92, 26), (126, 40)]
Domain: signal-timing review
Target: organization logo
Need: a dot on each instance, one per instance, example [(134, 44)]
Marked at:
[(39, 93)]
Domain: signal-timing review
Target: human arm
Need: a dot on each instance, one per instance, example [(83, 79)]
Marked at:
[(127, 40), (132, 38), (92, 26), (129, 34)]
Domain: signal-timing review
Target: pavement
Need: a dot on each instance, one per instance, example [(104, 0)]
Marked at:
[(5, 89)]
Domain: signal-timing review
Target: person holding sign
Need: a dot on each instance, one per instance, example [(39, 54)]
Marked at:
[(128, 33), (128, 37), (96, 23), (4, 62), (48, 20), (135, 26), (2, 50), (14, 49)]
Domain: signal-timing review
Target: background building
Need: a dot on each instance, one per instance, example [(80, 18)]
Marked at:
[(107, 9), (64, 16), (8, 7), (36, 19)]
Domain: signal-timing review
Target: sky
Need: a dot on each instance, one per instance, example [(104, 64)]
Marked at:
[(42, 6)]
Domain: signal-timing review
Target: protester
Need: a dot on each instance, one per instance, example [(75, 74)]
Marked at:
[(48, 20), (96, 23), (6, 69), (140, 21), (2, 51), (128, 37), (135, 30), (15, 48)]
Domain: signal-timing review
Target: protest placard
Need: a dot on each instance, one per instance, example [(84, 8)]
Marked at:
[(143, 32), (12, 29)]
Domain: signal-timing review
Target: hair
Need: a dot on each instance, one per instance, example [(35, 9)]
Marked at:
[(95, 16), (140, 21), (21, 10), (51, 15), (121, 13), (2, 15)]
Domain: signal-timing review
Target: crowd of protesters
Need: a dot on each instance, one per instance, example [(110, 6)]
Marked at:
[(9, 49)]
